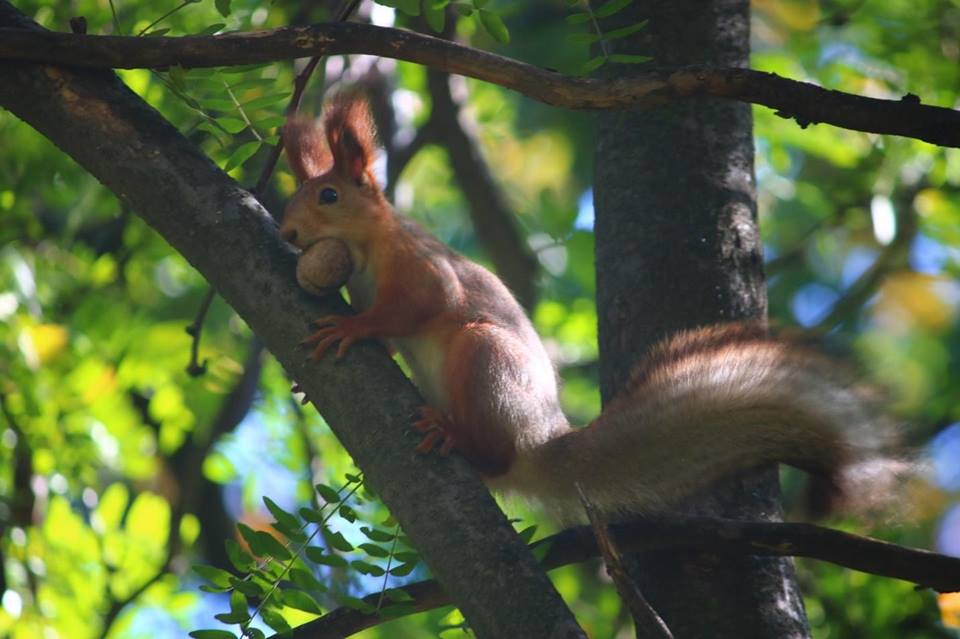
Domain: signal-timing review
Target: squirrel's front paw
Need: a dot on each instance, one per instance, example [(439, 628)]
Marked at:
[(332, 329), (436, 426)]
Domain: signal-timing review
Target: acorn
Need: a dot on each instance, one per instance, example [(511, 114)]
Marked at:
[(324, 267)]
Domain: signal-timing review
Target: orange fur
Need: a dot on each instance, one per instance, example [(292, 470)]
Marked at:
[(704, 404)]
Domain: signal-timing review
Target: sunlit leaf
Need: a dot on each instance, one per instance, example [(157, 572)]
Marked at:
[(243, 153), (494, 25), (301, 601)]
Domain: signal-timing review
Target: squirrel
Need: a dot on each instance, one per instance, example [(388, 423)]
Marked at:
[(702, 405)]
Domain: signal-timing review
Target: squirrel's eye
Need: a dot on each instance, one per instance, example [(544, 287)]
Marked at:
[(328, 196)]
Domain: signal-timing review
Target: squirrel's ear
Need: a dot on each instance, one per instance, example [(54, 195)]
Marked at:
[(307, 151), (351, 137)]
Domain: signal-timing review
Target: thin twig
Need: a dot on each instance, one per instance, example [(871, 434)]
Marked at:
[(648, 624), (196, 368)]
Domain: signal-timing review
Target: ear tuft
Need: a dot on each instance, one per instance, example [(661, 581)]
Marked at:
[(307, 150), (351, 136)]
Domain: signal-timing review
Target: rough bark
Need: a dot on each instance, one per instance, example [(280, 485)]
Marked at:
[(677, 247), (232, 241)]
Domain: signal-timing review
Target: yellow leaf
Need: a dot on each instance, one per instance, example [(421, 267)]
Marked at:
[(48, 340), (949, 603), (909, 299)]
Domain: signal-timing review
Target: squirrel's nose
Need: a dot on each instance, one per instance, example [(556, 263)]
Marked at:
[(289, 235)]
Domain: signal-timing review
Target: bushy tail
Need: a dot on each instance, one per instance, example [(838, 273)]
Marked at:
[(703, 405)]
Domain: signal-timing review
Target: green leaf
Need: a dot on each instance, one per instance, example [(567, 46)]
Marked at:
[(217, 577), (311, 515), (407, 557), (337, 541), (367, 568), (243, 153), (583, 38), (329, 494), (625, 31), (301, 601), (494, 26), (463, 8), (577, 18), (271, 122), (347, 513), (220, 104), (211, 634), (306, 580), (527, 533), (319, 556), (625, 58), (156, 32), (402, 570), (239, 557), (223, 6), (611, 7), (177, 76), (409, 7), (222, 139), (374, 534), (286, 523), (249, 587), (238, 603), (275, 620), (264, 101), (238, 610), (232, 126), (112, 506), (436, 17), (263, 544), (210, 30), (374, 550), (592, 65)]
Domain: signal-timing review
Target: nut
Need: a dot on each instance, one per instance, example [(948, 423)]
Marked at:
[(324, 267)]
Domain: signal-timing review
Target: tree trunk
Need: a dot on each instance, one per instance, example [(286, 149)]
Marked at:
[(678, 247)]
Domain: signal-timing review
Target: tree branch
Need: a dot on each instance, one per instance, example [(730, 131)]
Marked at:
[(702, 534), (802, 101), (232, 241)]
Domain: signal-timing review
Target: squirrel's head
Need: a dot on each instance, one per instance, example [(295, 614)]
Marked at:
[(338, 195)]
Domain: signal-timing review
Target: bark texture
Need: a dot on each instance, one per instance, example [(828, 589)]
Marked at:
[(230, 239), (678, 247)]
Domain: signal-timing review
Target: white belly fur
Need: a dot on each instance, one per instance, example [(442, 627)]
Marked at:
[(425, 359), (423, 356)]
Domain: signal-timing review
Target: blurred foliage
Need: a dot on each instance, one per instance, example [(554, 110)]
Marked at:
[(116, 471)]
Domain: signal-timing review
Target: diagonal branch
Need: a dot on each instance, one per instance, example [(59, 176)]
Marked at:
[(232, 241), (704, 534), (802, 101)]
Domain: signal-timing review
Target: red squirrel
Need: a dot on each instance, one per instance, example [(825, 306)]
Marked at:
[(702, 405)]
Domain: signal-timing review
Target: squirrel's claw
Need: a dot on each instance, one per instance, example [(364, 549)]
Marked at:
[(330, 330), (436, 426)]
